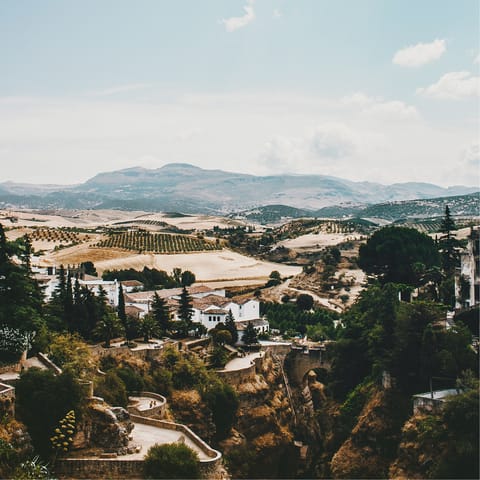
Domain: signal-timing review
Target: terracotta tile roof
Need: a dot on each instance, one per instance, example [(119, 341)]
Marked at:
[(131, 283), (216, 311)]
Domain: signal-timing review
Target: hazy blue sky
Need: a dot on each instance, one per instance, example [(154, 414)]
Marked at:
[(380, 90)]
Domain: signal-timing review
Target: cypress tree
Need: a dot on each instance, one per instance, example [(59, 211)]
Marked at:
[(161, 312), (231, 327), (250, 335), (121, 306), (448, 244), (185, 312)]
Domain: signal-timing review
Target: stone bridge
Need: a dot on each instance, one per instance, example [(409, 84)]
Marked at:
[(301, 360)]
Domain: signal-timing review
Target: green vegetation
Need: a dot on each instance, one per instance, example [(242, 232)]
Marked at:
[(249, 335), (173, 460), (112, 389), (143, 241), (223, 402), (397, 254), (288, 318), (43, 399), (185, 313), (151, 278), (25, 312), (55, 235)]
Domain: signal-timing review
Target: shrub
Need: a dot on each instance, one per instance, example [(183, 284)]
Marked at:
[(43, 399), (112, 390), (173, 460), (223, 402)]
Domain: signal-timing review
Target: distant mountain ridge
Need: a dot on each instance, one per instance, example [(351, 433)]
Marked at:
[(190, 189), (460, 206)]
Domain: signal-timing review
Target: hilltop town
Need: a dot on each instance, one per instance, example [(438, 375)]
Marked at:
[(274, 364)]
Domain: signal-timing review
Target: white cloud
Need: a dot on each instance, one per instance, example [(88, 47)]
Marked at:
[(477, 59), (234, 23), (67, 140), (376, 106), (120, 89), (471, 156), (277, 13), (420, 54), (326, 144), (453, 85)]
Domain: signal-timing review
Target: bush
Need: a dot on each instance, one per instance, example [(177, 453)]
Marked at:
[(173, 460), (305, 301), (132, 380), (43, 399), (223, 402), (162, 381), (112, 390)]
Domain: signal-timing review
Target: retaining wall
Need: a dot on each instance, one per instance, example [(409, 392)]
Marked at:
[(7, 399), (98, 468), (117, 468), (48, 363), (159, 409), (237, 377), (214, 455), (145, 354)]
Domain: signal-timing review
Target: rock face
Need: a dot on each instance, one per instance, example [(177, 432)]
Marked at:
[(188, 408), (372, 444), (262, 443), (104, 427)]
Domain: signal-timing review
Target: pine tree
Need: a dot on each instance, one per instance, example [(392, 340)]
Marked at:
[(68, 305), (185, 313), (231, 327), (448, 244), (161, 312), (122, 315), (250, 335)]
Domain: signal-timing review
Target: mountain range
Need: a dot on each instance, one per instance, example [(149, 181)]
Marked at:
[(190, 189)]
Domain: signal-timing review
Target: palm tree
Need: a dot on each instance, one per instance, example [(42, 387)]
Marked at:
[(148, 327), (108, 327)]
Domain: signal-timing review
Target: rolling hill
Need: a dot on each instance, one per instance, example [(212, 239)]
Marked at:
[(190, 189)]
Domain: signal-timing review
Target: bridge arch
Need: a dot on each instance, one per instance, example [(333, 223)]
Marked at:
[(301, 360)]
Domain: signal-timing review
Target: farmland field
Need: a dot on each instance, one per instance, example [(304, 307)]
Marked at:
[(142, 241)]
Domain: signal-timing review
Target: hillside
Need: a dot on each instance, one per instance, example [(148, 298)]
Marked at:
[(429, 208), (186, 188)]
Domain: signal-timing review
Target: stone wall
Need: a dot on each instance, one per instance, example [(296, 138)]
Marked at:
[(7, 400), (159, 409), (214, 455), (14, 367), (98, 468), (48, 363), (144, 354), (237, 377)]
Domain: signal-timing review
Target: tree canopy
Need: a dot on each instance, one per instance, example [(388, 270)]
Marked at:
[(171, 460), (398, 255)]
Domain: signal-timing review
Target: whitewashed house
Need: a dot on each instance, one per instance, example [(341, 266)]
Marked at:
[(210, 306)]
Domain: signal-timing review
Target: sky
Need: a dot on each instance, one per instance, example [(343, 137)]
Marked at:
[(379, 90)]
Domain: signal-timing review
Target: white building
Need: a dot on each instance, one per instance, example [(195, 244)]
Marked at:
[(210, 306), (94, 284), (469, 272)]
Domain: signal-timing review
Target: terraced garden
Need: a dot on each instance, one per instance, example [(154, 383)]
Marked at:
[(157, 242)]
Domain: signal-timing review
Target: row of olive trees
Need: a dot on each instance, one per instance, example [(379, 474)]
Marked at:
[(157, 242)]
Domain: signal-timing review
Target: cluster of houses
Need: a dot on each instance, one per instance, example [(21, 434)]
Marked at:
[(210, 305)]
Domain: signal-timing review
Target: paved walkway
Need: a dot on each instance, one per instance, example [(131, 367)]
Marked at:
[(241, 362), (143, 403)]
